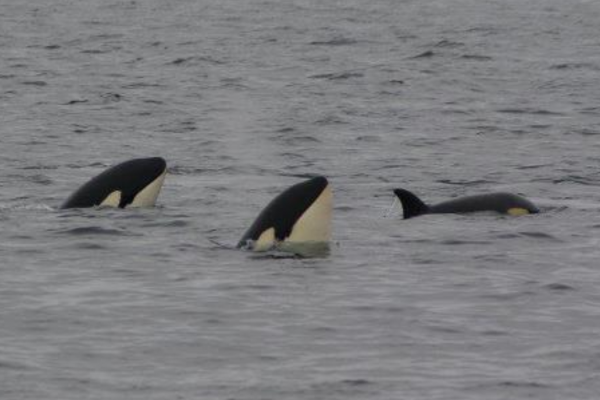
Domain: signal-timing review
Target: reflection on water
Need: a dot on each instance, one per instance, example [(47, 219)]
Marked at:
[(306, 249), (293, 250)]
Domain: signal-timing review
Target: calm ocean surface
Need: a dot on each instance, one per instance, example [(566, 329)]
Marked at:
[(244, 98)]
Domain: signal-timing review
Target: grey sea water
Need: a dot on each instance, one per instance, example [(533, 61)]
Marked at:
[(243, 98)]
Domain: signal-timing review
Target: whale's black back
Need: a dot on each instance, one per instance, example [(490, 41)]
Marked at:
[(499, 202)]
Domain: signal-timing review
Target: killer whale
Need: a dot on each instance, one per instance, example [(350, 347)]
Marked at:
[(505, 203), (133, 183), (298, 216)]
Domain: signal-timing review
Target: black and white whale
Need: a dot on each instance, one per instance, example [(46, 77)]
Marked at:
[(505, 203), (133, 183), (298, 216)]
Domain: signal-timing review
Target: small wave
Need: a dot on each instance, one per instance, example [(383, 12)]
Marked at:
[(152, 101), (26, 207), (35, 83), (507, 236), (82, 129), (512, 384), (558, 287), (334, 42), (336, 76), (12, 366), (92, 230), (582, 180), (396, 82), (475, 57), (193, 247), (508, 295), (141, 85), (368, 138), (196, 59), (462, 182), (295, 251), (39, 179), (75, 101), (532, 166), (345, 386), (183, 170), (111, 97), (105, 50), (494, 332), (357, 382), (330, 120), (233, 83), (483, 30), (298, 139), (458, 242), (293, 156), (445, 43), (590, 110), (299, 176), (584, 132), (274, 255), (569, 66), (287, 129), (445, 329), (523, 384), (425, 54), (168, 224), (532, 111), (89, 246), (90, 165), (540, 235)]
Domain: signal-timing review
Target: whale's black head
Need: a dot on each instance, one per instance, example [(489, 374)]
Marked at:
[(300, 214), (134, 183)]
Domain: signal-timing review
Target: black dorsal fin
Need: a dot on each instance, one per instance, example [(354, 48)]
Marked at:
[(411, 204)]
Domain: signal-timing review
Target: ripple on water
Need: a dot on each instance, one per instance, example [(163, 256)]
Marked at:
[(345, 387), (337, 76), (540, 236), (177, 223), (558, 287), (523, 384), (93, 230), (459, 242), (466, 182), (425, 54), (531, 111), (576, 65), (89, 246), (13, 366), (338, 41), (506, 296), (25, 207), (476, 57), (579, 179), (35, 83), (512, 386)]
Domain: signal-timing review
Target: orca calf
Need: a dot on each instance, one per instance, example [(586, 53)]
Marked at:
[(505, 203), (133, 183), (300, 215)]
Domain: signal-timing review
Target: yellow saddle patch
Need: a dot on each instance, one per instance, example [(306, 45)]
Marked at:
[(517, 211)]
